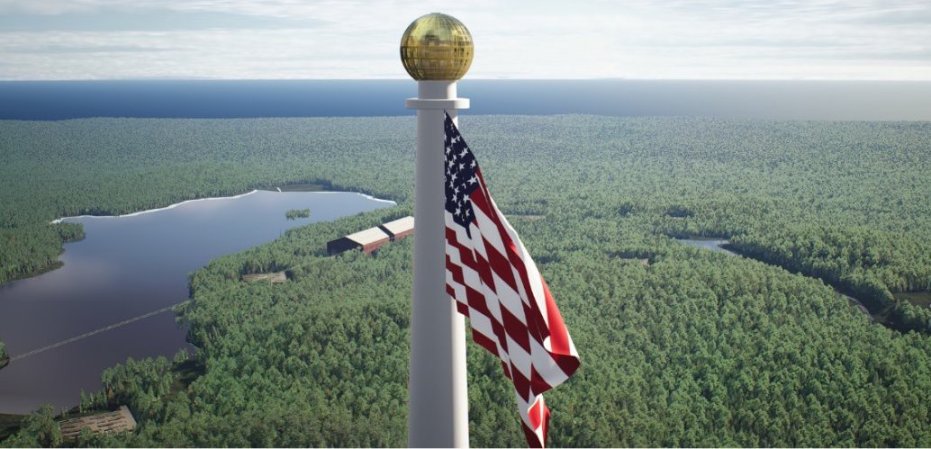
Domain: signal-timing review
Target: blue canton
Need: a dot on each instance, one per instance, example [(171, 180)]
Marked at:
[(460, 176)]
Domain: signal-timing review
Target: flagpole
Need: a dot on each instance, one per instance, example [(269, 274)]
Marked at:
[(435, 53)]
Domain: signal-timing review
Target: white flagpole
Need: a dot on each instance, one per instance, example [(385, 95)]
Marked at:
[(438, 399), (438, 407)]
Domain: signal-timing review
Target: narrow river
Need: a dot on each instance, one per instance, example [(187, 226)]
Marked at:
[(128, 267), (717, 245)]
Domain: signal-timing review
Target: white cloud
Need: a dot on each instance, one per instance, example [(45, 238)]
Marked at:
[(354, 39)]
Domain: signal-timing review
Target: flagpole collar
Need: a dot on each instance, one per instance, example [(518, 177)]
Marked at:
[(447, 104)]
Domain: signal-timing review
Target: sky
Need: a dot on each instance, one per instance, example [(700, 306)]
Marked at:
[(514, 39)]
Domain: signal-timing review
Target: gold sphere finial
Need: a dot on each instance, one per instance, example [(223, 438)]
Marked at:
[(436, 47)]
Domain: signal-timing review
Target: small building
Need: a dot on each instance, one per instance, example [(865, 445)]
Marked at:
[(110, 422), (400, 228), (368, 240)]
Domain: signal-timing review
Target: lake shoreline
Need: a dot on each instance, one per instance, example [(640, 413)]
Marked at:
[(284, 188), (149, 211)]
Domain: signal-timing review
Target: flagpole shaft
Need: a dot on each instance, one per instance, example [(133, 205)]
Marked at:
[(438, 399)]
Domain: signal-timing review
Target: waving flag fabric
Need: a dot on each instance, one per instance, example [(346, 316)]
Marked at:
[(497, 286)]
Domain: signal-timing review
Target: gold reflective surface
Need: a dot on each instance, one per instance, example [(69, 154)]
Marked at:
[(436, 47)]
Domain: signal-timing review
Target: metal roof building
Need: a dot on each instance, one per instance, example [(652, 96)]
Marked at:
[(368, 240), (400, 228)]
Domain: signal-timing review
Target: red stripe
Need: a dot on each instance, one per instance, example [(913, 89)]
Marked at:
[(506, 368), (516, 329), (462, 308), (498, 329), (485, 342), (455, 270), (521, 383), (537, 383), (501, 267), (480, 195), (483, 268), (535, 414), (532, 439), (534, 328), (478, 302), (559, 335)]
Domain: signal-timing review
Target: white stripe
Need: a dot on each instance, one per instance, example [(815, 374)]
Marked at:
[(482, 324), (545, 365), (458, 289), (509, 298), (520, 359), (489, 231)]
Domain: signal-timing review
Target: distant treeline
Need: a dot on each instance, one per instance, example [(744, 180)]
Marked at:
[(693, 348)]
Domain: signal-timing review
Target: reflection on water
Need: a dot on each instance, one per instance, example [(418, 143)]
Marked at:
[(125, 267), (712, 244)]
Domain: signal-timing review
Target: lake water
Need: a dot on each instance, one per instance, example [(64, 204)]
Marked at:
[(125, 267), (790, 100), (715, 245)]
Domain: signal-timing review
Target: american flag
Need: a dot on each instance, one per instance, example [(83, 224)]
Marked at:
[(497, 286)]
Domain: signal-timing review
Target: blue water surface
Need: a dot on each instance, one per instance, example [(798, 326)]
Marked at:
[(792, 100)]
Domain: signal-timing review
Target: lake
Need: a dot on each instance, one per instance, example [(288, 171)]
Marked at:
[(783, 100), (129, 266), (716, 245)]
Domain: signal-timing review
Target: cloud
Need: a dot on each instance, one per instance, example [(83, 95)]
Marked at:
[(813, 39), (78, 49), (144, 20)]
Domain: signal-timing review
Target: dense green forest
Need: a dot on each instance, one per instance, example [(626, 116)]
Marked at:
[(294, 214), (680, 346)]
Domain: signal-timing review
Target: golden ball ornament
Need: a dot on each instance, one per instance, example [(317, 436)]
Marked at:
[(436, 47)]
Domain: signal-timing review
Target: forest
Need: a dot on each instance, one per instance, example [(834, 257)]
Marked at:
[(294, 214), (680, 346)]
